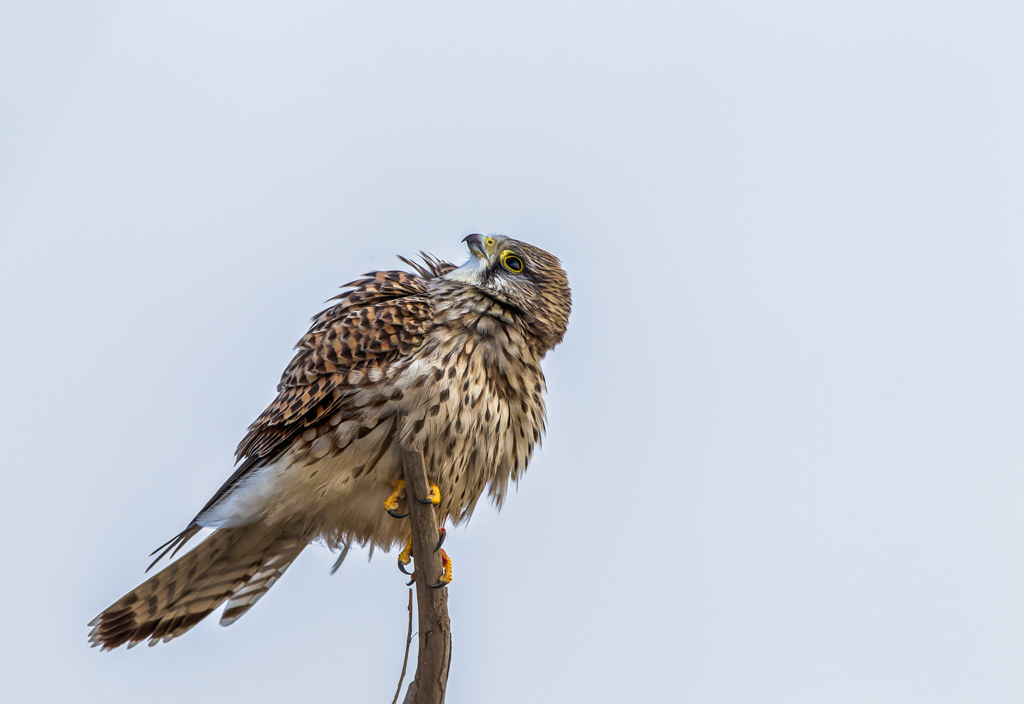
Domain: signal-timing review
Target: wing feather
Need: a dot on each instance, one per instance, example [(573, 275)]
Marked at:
[(378, 320)]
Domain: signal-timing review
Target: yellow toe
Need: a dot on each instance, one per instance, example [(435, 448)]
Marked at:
[(392, 502), (405, 557), (435, 494), (446, 576)]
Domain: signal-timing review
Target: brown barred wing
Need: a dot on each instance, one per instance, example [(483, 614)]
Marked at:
[(376, 322), (379, 321)]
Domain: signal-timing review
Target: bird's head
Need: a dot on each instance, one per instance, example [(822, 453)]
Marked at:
[(523, 277)]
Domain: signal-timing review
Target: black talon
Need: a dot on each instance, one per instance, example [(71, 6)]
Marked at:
[(437, 586), (444, 534), (404, 571), (395, 514), (422, 501)]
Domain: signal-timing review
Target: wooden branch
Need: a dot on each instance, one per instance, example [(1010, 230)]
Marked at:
[(435, 644)]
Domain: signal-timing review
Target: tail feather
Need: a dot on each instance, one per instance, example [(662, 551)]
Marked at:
[(237, 565), (174, 544), (281, 553)]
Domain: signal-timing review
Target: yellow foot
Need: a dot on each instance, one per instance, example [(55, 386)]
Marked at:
[(405, 557), (434, 497), (446, 576), (391, 505)]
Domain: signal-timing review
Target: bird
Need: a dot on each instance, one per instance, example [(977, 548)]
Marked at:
[(438, 359)]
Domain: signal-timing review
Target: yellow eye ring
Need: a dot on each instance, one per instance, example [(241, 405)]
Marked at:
[(511, 262)]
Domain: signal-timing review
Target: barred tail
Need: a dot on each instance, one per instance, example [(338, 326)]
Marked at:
[(237, 565)]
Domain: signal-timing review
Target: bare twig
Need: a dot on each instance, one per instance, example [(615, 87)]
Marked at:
[(435, 643), (405, 661)]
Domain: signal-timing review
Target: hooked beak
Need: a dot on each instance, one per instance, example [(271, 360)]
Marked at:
[(476, 245), (472, 272)]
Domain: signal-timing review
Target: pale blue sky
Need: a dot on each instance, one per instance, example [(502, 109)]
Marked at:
[(784, 451)]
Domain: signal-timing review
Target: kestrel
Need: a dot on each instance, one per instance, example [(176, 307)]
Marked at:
[(442, 360)]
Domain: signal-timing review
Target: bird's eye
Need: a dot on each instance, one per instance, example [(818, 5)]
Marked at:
[(512, 262)]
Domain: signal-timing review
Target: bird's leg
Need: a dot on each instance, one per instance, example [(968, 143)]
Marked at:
[(405, 557), (391, 505), (446, 576), (434, 497)]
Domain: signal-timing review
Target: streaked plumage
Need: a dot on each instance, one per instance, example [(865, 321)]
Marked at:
[(445, 360)]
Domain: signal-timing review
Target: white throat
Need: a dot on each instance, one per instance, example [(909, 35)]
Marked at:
[(472, 272)]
